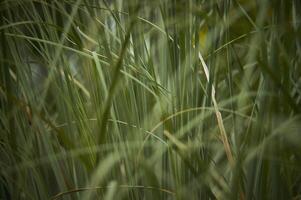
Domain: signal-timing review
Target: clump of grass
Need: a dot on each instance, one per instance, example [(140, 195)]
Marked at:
[(150, 99)]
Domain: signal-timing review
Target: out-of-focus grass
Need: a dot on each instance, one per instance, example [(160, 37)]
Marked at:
[(162, 99)]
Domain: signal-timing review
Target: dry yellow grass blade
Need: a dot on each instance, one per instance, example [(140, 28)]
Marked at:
[(218, 116)]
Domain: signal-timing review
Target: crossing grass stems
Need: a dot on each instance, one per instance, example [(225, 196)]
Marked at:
[(162, 99)]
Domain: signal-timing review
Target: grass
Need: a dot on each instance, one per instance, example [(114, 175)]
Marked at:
[(159, 99)]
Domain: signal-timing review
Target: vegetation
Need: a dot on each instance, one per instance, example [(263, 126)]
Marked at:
[(150, 99)]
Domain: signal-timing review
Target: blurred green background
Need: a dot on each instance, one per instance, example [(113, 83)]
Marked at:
[(150, 99)]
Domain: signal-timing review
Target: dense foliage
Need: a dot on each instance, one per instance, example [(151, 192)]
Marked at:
[(150, 99)]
